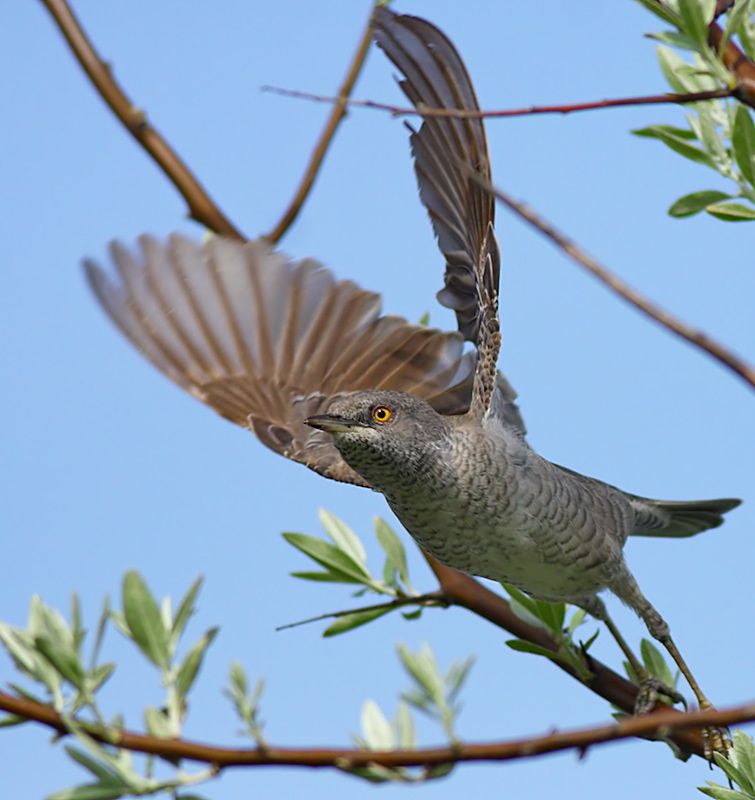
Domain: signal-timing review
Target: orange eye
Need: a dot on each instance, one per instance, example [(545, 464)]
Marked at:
[(381, 414)]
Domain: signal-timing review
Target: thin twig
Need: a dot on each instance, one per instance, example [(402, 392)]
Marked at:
[(326, 137), (422, 110), (648, 725), (436, 598), (692, 335), (202, 207)]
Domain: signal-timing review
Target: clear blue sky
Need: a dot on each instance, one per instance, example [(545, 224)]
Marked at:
[(106, 466)]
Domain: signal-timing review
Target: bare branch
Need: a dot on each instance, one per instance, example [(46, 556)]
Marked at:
[(326, 137), (649, 725), (422, 110), (692, 335), (202, 207)]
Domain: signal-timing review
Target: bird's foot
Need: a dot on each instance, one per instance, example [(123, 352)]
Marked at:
[(715, 739), (651, 690)]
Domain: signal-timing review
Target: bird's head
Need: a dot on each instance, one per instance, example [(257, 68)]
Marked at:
[(384, 435)]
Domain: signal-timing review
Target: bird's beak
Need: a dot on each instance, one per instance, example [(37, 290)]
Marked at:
[(332, 424)]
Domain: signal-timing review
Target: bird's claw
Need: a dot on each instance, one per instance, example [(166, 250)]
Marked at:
[(716, 740), (652, 689)]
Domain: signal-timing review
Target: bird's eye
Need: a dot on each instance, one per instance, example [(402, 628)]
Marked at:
[(381, 414)]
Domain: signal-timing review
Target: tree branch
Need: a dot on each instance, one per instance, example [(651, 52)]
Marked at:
[(424, 111), (326, 137), (463, 590), (651, 725), (202, 207), (692, 335)]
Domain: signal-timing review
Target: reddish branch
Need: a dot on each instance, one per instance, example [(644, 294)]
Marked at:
[(422, 110), (692, 335), (202, 207), (326, 137), (653, 725)]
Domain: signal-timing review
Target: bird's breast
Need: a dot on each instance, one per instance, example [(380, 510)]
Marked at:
[(511, 519)]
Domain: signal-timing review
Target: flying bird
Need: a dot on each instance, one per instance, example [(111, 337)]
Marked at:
[(312, 367)]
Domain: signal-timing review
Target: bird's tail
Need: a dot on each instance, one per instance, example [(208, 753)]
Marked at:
[(673, 519)]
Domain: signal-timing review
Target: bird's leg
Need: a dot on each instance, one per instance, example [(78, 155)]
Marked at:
[(716, 739), (650, 687)]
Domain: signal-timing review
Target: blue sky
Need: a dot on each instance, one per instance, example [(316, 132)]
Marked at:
[(106, 466)]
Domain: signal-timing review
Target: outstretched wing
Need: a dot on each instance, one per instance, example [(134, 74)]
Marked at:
[(446, 150), (267, 342)]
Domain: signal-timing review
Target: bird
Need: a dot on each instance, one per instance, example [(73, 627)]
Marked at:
[(312, 367)]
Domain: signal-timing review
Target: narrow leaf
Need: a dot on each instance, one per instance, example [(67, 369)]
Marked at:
[(695, 202), (731, 212), (696, 16), (143, 618), (91, 791), (185, 608), (65, 661), (345, 538), (743, 142), (392, 547), (351, 621), (377, 731), (189, 670), (677, 144), (660, 10), (328, 556)]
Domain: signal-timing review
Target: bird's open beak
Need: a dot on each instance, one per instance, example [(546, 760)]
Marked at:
[(332, 424)]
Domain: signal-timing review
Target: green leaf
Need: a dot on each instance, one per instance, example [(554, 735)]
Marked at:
[(673, 68), (188, 671), (731, 212), (662, 11), (77, 629), (157, 723), (425, 318), (324, 577), (732, 771), (99, 636), (522, 646), (377, 731), (577, 618), (456, 676), (743, 142), (655, 663), (64, 660), (185, 609), (392, 547), (552, 614), (423, 669), (9, 720), (675, 39), (720, 793), (345, 539), (97, 768), (735, 17), (91, 791), (744, 757), (405, 727), (696, 16), (143, 619), (676, 143), (100, 674), (328, 556), (412, 615), (351, 621), (695, 202)]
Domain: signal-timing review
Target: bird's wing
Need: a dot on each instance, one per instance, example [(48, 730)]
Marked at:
[(445, 151), (267, 342)]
